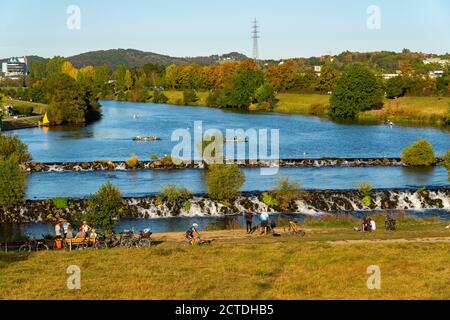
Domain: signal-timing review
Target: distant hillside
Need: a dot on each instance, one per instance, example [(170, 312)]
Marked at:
[(29, 58), (135, 58)]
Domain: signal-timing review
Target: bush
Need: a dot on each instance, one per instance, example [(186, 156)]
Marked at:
[(23, 110), (159, 97), (133, 162), (224, 181), (357, 90), (176, 196), (447, 160), (395, 87), (266, 94), (60, 203), (12, 182), (318, 109), (167, 161), (269, 200), (286, 192), (104, 208), (447, 116), (12, 146), (189, 97), (365, 189), (420, 153)]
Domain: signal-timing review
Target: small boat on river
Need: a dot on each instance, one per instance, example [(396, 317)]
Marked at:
[(236, 140), (147, 138)]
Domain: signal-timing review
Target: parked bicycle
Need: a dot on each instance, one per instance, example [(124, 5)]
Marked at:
[(34, 245)]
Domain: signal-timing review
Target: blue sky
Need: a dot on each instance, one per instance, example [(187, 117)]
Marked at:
[(289, 28)]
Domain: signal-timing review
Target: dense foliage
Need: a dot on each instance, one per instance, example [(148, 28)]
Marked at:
[(447, 160), (12, 146), (241, 83), (224, 181), (12, 182), (69, 101), (285, 193), (104, 208), (420, 153), (175, 196), (357, 90)]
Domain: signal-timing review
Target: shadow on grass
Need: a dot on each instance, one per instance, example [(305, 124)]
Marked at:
[(7, 259)]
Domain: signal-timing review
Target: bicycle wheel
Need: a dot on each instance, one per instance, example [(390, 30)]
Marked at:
[(100, 245), (42, 247), (145, 243), (25, 247)]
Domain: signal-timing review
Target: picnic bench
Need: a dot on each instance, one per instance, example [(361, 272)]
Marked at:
[(81, 243)]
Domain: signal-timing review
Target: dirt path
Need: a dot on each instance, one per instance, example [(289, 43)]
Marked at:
[(428, 240), (239, 236)]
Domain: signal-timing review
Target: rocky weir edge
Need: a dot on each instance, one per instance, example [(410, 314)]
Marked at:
[(313, 202), (107, 165)]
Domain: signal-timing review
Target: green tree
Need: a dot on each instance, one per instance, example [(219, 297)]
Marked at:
[(266, 93), (159, 97), (12, 146), (12, 182), (242, 91), (446, 162), (420, 153), (70, 102), (327, 79), (104, 208), (356, 90), (286, 192), (224, 181), (189, 97), (395, 87)]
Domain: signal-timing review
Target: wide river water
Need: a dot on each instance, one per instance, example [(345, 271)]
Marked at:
[(111, 137)]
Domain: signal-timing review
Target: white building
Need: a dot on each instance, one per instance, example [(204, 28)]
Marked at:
[(387, 76), (15, 67), (436, 74), (442, 62)]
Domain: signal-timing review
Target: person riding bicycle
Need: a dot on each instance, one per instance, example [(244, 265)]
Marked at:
[(192, 234)]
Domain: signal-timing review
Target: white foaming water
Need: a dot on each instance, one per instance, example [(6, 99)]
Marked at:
[(306, 209), (55, 168), (121, 167)]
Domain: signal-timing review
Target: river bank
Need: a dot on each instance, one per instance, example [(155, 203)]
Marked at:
[(330, 262), (416, 111)]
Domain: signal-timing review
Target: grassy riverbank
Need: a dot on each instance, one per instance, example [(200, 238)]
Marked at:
[(330, 262), (34, 114), (405, 110)]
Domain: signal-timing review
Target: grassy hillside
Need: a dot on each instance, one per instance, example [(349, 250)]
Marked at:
[(136, 58), (329, 263)]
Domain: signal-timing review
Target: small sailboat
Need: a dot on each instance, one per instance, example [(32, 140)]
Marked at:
[(45, 122)]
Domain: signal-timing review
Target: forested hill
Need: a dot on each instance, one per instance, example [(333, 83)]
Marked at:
[(135, 58)]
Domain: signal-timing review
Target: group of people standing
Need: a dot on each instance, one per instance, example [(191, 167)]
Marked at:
[(265, 224), (64, 230)]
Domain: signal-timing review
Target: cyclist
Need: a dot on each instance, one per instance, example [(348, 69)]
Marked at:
[(192, 234)]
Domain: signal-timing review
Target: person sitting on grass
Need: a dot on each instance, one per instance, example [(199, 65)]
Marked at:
[(373, 225), (192, 234), (367, 225), (293, 227), (264, 217)]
